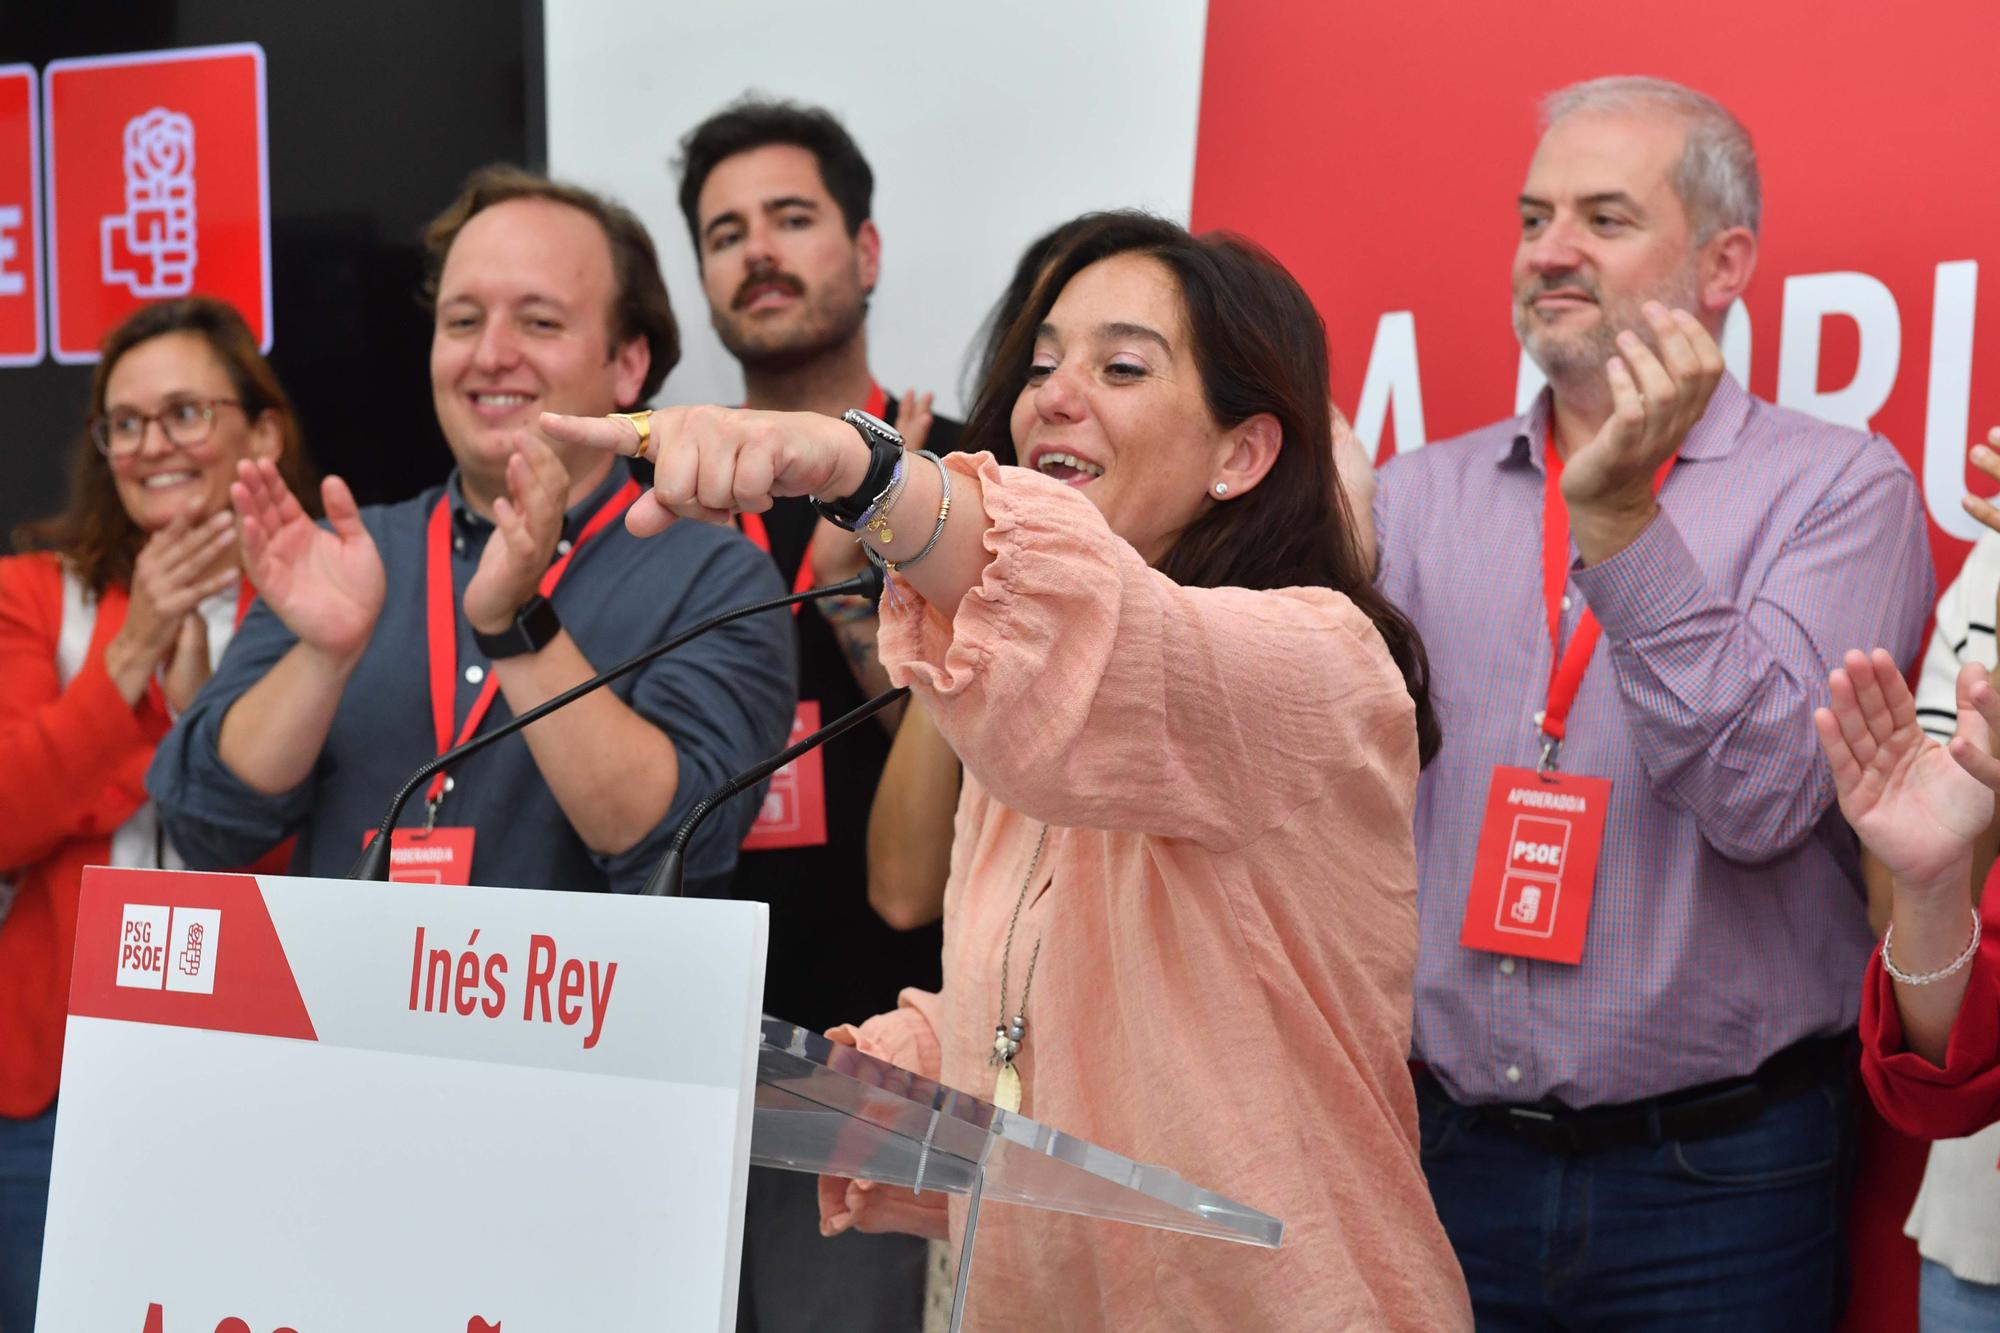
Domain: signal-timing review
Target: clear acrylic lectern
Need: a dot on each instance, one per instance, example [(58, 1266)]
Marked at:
[(829, 1109)]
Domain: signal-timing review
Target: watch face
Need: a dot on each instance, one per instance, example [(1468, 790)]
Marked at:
[(872, 424)]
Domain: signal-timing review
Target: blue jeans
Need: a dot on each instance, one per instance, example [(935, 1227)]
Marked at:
[(1947, 1303), (25, 1149), (1738, 1231)]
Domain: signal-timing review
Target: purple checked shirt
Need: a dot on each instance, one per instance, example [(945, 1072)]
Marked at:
[(1729, 917)]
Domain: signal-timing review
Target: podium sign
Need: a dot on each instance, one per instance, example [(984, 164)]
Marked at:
[(326, 1105)]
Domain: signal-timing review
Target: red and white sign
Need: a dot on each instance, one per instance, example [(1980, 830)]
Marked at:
[(21, 342), (1536, 865), (158, 186), (320, 1104)]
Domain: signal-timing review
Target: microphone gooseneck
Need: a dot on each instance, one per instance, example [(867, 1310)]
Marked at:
[(374, 860), (665, 881)]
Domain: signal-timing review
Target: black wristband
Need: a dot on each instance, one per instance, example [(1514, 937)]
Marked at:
[(885, 450), (535, 627)]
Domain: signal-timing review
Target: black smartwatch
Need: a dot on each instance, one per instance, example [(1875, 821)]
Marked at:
[(885, 450), (535, 627)]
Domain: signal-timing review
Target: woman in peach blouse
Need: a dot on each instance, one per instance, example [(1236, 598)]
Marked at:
[(1181, 919)]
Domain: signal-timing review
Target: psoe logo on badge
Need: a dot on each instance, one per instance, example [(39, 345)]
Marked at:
[(158, 186), (1537, 846), (1527, 906), (142, 946), (192, 942)]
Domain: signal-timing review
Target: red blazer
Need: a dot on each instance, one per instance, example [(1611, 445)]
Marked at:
[(72, 769), (1912, 1093)]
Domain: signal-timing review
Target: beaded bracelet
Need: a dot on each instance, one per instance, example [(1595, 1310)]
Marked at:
[(875, 518), (1927, 978)]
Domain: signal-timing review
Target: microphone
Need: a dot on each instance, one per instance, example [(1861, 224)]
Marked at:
[(665, 881), (374, 859)]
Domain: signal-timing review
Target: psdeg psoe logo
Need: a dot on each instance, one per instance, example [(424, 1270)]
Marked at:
[(1536, 849), (158, 186), (169, 948)]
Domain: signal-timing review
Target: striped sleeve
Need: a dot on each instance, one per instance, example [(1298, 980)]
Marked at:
[(1963, 633)]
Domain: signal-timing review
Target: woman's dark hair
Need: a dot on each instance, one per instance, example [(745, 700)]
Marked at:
[(93, 533), (1261, 348), (1020, 290)]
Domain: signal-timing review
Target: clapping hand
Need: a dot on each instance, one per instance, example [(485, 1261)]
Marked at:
[(528, 523), (1655, 401), (326, 586), (914, 418), (1914, 803), (1987, 460), (176, 570), (187, 670)]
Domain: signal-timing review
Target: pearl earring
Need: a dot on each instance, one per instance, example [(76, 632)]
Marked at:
[(1222, 488)]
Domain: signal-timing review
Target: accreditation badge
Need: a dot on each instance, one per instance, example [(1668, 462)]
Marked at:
[(794, 809), (1536, 864), (440, 855)]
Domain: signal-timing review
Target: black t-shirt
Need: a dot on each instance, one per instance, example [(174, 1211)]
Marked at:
[(833, 960)]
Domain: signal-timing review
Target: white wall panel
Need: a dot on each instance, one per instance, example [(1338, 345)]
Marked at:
[(985, 124)]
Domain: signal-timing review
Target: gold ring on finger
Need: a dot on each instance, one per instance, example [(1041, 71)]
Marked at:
[(642, 421)]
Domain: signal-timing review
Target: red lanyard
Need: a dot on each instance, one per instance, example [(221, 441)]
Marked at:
[(441, 621), (1567, 666), (760, 536)]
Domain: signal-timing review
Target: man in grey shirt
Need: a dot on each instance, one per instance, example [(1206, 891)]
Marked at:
[(391, 633)]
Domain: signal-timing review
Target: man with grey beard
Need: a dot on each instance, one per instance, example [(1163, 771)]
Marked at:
[(1643, 922)]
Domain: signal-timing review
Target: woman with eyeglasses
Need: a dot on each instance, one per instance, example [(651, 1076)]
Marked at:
[(111, 617)]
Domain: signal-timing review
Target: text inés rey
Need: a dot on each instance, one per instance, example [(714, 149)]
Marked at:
[(467, 982)]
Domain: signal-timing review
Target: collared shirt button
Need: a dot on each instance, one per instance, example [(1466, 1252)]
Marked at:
[(458, 543), (1566, 601), (1513, 1073), (562, 547), (1507, 967), (475, 673)]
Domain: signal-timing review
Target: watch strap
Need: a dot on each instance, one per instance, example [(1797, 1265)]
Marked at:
[(535, 627), (885, 450)]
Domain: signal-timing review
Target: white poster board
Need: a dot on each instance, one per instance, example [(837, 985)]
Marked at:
[(323, 1106)]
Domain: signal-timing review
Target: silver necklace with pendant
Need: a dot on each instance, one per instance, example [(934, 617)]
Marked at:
[(1009, 1034)]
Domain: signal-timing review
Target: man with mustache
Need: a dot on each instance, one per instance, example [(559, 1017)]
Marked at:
[(778, 201), (1634, 1083)]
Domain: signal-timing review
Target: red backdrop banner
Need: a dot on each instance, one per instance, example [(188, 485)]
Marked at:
[(1378, 151)]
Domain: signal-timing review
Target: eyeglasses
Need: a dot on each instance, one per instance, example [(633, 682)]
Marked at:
[(185, 422)]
